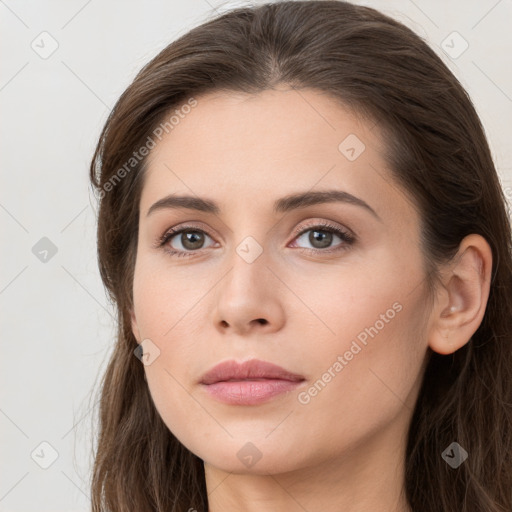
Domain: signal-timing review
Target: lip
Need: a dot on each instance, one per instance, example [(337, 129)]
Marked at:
[(248, 383)]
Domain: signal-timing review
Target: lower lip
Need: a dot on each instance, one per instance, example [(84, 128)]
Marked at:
[(249, 392)]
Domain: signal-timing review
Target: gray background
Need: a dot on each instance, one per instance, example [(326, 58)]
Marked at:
[(56, 322)]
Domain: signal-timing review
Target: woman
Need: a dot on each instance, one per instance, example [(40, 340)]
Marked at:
[(306, 239)]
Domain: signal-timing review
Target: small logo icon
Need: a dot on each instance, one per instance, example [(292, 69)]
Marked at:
[(454, 455), (249, 249), (508, 194), (249, 454), (44, 250), (351, 147), (147, 352), (507, 189), (454, 45), (44, 455), (45, 45)]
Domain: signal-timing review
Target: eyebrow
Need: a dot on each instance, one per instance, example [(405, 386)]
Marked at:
[(282, 205)]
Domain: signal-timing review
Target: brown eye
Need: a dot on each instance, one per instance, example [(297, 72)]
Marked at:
[(192, 240), (322, 237)]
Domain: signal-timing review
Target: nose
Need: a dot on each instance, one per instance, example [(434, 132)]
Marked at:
[(249, 298)]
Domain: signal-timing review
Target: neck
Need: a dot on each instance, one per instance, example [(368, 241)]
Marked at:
[(367, 477)]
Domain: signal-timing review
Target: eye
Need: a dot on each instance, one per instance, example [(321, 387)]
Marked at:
[(321, 236), (191, 240)]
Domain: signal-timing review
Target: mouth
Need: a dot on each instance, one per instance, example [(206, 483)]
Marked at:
[(254, 369), (248, 380), (248, 383)]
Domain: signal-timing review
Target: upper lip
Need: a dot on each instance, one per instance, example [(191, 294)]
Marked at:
[(252, 369)]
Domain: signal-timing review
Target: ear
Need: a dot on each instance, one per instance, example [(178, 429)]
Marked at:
[(462, 299), (135, 327)]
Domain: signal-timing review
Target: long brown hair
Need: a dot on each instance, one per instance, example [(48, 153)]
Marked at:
[(438, 152)]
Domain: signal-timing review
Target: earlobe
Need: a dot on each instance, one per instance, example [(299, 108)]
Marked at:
[(462, 301)]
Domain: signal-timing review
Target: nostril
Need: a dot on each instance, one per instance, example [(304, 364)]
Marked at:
[(262, 321)]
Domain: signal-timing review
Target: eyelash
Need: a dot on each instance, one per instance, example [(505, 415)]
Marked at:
[(347, 238)]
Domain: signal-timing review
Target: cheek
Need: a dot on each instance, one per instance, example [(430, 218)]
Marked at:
[(370, 371), (162, 299), (164, 310), (368, 354)]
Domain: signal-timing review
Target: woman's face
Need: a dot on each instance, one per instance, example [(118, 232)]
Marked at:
[(257, 278)]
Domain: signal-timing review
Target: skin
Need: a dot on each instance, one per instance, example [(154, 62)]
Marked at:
[(343, 450)]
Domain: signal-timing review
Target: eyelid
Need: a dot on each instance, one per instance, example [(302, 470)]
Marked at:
[(323, 224)]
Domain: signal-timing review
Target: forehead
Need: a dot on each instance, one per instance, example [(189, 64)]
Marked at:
[(278, 124), (251, 147)]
